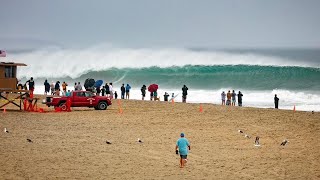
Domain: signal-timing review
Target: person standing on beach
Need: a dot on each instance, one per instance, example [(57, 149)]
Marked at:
[(111, 90), (57, 88), (79, 87), (233, 95), (103, 90), (46, 87), (64, 88), (115, 95), (98, 90), (155, 95), (143, 91), (184, 93), (123, 90), (240, 98), (223, 98), (276, 101), (151, 96), (75, 86), (52, 88), (228, 98), (165, 96), (107, 90), (183, 145), (31, 84), (128, 87)]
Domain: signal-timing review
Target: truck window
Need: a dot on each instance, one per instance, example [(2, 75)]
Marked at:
[(88, 94), (80, 94)]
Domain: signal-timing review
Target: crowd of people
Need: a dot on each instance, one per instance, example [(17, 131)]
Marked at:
[(229, 98)]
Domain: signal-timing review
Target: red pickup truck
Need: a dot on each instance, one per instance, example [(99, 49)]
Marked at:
[(79, 99)]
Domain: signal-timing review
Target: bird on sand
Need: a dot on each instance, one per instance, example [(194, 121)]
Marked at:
[(284, 142)]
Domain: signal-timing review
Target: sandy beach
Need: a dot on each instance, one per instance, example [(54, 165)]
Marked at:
[(72, 145)]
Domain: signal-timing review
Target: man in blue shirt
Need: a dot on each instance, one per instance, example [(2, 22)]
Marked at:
[(183, 145), (128, 87)]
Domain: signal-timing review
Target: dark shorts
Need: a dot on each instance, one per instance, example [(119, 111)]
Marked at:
[(183, 156)]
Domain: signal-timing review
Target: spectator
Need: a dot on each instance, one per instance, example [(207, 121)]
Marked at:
[(240, 98), (233, 95), (276, 101), (165, 96), (128, 87), (103, 90), (107, 89), (115, 95), (111, 90), (52, 88), (143, 91), (223, 98), (46, 87), (123, 90), (228, 98), (184, 93), (57, 88)]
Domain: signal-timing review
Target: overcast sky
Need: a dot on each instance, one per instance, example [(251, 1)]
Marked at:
[(160, 23)]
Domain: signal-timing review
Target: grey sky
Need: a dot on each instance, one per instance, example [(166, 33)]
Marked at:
[(161, 23)]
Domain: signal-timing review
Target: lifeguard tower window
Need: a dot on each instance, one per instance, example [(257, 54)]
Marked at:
[(9, 72)]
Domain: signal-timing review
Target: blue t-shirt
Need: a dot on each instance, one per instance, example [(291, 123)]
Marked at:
[(183, 144), (128, 88)]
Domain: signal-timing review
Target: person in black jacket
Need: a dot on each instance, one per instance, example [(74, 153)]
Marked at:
[(107, 89), (240, 98), (276, 101), (31, 84), (57, 88), (143, 91), (123, 90), (46, 87), (184, 93)]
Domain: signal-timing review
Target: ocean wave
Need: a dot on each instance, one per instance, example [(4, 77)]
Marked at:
[(57, 63)]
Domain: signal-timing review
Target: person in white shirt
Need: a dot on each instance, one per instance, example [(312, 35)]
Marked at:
[(111, 90)]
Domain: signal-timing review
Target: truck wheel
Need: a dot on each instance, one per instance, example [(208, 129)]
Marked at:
[(63, 106), (102, 105)]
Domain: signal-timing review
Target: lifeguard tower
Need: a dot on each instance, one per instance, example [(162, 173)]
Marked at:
[(8, 76), (8, 84)]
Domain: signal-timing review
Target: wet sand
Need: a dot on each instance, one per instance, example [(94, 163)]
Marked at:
[(72, 145)]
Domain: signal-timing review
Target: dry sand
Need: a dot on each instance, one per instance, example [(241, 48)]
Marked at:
[(73, 145)]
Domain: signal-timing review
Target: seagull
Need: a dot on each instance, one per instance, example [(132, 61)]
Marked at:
[(240, 131), (5, 130), (256, 142), (139, 140), (247, 136), (108, 142), (284, 142), (29, 140)]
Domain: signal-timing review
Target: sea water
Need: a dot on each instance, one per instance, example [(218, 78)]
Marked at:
[(292, 74)]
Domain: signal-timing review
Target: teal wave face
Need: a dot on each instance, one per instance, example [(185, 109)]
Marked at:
[(215, 77)]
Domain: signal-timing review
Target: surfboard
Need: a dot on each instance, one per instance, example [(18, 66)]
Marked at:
[(174, 97)]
